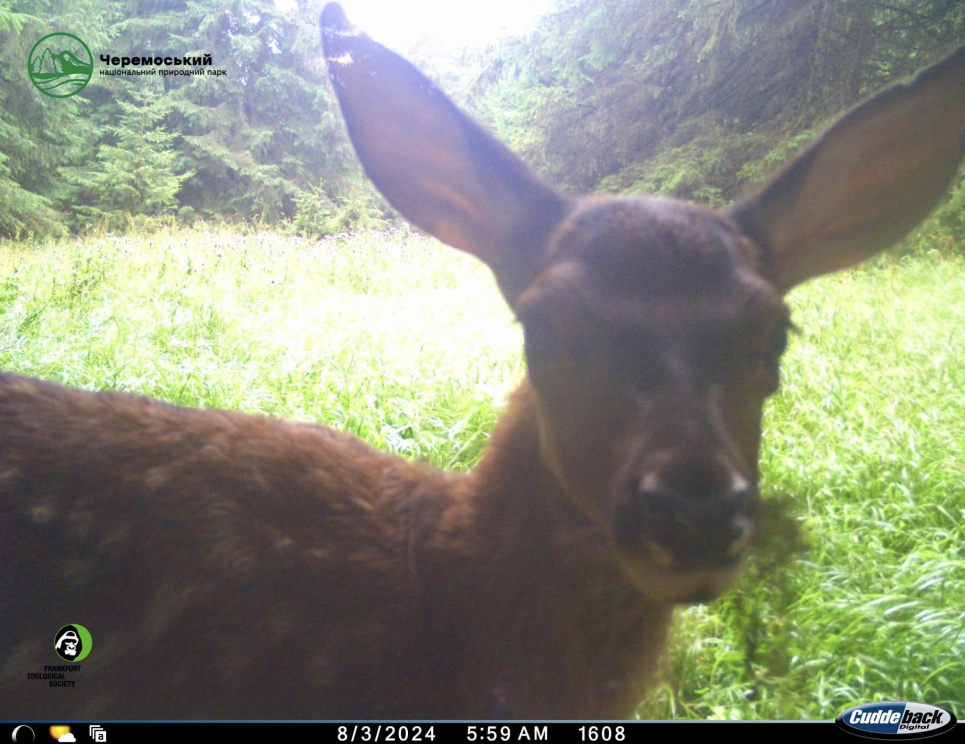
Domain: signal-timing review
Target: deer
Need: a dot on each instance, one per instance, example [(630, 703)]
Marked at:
[(236, 566)]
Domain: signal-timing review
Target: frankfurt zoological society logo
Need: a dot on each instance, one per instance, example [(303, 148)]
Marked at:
[(60, 65), (73, 642)]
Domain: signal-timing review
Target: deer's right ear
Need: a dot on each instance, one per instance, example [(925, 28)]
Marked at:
[(439, 168), (866, 182)]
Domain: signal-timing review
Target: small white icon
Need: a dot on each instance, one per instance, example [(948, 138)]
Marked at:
[(68, 737), (23, 734), (97, 733)]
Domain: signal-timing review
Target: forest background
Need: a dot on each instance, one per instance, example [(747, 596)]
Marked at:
[(688, 98)]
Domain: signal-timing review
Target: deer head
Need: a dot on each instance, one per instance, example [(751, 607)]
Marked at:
[(653, 327)]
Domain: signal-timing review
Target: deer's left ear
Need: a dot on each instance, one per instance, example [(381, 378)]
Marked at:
[(866, 182)]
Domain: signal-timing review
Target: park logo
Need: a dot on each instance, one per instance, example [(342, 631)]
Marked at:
[(73, 643), (895, 720), (60, 65)]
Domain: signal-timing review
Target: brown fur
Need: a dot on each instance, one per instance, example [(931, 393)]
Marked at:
[(231, 566)]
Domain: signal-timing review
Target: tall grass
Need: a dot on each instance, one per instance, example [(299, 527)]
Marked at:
[(395, 339), (408, 345)]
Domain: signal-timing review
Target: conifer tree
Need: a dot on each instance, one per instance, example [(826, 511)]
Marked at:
[(135, 169)]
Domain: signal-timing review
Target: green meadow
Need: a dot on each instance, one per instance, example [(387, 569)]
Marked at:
[(856, 591)]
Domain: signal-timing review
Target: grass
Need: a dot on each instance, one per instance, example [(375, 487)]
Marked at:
[(408, 345), (332, 331)]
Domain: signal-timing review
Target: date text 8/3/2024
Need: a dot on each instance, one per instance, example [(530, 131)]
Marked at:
[(473, 732)]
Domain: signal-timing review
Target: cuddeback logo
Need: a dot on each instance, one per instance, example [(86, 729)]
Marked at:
[(895, 719)]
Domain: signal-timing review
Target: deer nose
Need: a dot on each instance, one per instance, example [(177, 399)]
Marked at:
[(693, 511)]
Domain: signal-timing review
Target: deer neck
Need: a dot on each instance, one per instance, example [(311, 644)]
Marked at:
[(519, 573)]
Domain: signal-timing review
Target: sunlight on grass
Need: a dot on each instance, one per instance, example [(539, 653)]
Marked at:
[(409, 345), (403, 343)]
